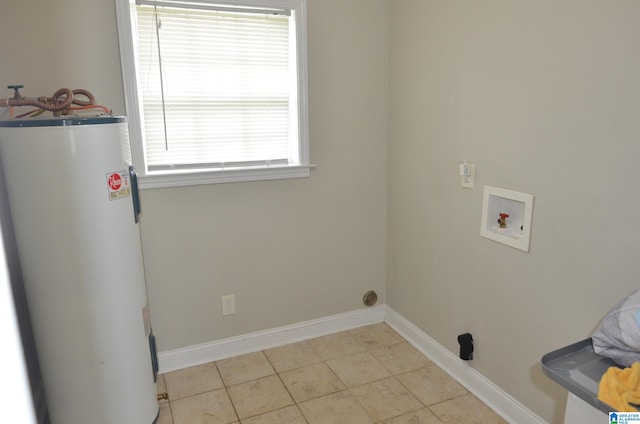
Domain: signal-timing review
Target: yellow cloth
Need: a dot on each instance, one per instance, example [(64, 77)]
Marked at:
[(620, 388)]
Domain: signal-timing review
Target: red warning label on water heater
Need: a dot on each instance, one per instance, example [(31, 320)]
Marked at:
[(118, 185), (115, 181)]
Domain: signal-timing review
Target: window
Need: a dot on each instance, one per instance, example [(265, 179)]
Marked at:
[(215, 90)]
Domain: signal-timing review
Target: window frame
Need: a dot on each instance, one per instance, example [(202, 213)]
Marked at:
[(188, 177)]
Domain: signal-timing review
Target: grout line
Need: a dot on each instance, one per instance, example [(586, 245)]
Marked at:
[(324, 362), (224, 386)]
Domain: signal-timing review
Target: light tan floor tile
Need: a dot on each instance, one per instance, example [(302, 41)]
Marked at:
[(337, 408), (385, 399), (161, 388), (243, 368), (292, 356), (422, 416), (335, 345), (311, 382), (431, 385), (361, 376), (288, 415), (164, 417), (206, 408), (192, 381), (400, 358), (259, 396), (466, 409), (375, 336), (358, 369)]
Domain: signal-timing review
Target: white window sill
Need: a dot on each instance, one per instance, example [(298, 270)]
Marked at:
[(161, 179)]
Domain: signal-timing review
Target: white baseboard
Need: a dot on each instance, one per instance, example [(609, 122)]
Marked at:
[(492, 395), (497, 399), (220, 349)]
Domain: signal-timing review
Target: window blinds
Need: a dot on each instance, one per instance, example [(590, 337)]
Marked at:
[(219, 82)]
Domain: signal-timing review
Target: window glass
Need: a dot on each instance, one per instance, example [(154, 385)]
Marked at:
[(217, 88)]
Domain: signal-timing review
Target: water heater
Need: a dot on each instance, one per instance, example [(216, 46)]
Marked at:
[(74, 203)]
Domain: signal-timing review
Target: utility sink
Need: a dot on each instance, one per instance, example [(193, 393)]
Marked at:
[(578, 369)]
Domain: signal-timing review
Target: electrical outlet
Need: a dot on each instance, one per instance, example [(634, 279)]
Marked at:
[(468, 180), (229, 304)]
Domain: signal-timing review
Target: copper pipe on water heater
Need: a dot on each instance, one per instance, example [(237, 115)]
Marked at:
[(61, 100), (91, 99)]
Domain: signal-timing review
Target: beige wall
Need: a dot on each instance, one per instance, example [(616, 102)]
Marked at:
[(46, 45), (290, 250), (544, 97)]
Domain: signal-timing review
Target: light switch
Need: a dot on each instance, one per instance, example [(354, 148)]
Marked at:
[(467, 181)]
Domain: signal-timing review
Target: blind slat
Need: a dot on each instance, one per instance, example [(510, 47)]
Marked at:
[(226, 87), (204, 5)]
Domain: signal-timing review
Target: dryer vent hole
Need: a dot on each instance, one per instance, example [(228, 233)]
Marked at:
[(370, 298)]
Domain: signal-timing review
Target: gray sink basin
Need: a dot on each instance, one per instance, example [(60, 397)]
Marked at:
[(578, 369)]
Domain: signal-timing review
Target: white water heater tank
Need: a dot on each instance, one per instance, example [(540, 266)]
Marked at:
[(74, 204)]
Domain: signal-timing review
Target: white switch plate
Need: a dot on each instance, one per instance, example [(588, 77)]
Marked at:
[(467, 181), (229, 304)]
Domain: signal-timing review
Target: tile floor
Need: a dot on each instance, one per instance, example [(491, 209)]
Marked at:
[(366, 375)]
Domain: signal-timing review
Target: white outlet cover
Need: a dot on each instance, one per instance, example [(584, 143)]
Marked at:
[(228, 304), (469, 180)]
